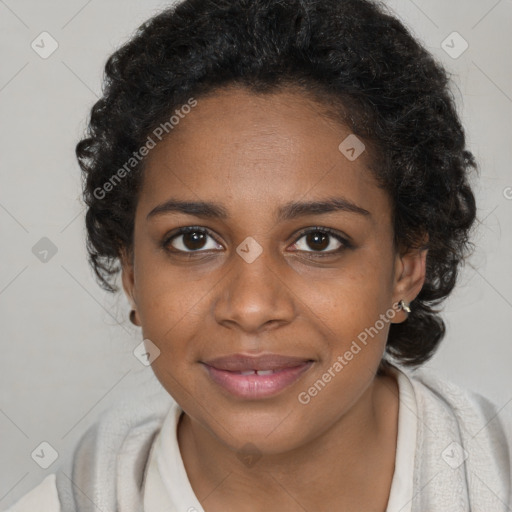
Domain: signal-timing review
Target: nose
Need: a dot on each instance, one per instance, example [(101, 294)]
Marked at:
[(254, 295)]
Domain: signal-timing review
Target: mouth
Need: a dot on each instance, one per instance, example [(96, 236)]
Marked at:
[(253, 378)]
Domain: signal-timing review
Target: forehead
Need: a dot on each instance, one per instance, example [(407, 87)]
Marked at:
[(240, 147)]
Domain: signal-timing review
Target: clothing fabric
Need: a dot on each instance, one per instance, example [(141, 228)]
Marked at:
[(454, 452)]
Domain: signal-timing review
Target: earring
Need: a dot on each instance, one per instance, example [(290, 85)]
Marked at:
[(132, 317), (404, 306)]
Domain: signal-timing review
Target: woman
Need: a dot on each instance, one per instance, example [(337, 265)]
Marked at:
[(284, 188)]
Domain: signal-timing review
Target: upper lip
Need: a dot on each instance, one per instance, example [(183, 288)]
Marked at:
[(243, 362)]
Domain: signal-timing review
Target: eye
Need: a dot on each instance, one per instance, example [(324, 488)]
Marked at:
[(321, 240), (190, 239), (194, 239)]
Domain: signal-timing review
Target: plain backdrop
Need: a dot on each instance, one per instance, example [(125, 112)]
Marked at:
[(66, 345)]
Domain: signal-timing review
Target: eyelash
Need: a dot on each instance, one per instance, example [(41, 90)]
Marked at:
[(194, 229)]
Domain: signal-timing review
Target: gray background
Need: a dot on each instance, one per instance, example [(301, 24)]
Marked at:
[(66, 344)]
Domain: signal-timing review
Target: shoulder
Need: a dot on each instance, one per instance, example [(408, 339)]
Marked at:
[(473, 424), (471, 409), (464, 446), (43, 498), (114, 447)]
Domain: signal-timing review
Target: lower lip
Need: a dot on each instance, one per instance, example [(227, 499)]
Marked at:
[(257, 386)]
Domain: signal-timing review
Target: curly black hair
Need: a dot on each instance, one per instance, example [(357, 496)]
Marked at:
[(355, 58)]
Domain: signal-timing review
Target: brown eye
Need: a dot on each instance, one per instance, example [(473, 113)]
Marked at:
[(320, 240), (191, 239), (194, 240), (317, 240)]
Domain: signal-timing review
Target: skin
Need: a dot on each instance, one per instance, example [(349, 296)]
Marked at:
[(254, 153)]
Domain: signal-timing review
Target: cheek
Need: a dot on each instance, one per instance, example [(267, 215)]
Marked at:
[(356, 315), (170, 306), (352, 299), (171, 319)]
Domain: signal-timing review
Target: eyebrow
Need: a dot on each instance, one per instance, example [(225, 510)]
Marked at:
[(288, 211)]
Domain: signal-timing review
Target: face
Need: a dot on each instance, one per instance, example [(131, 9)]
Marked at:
[(263, 271)]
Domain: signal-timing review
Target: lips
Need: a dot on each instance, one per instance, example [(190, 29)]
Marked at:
[(251, 378), (251, 364)]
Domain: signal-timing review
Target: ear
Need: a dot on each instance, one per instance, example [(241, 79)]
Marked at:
[(128, 280), (410, 271)]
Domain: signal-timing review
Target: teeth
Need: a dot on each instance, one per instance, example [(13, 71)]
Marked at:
[(258, 372)]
